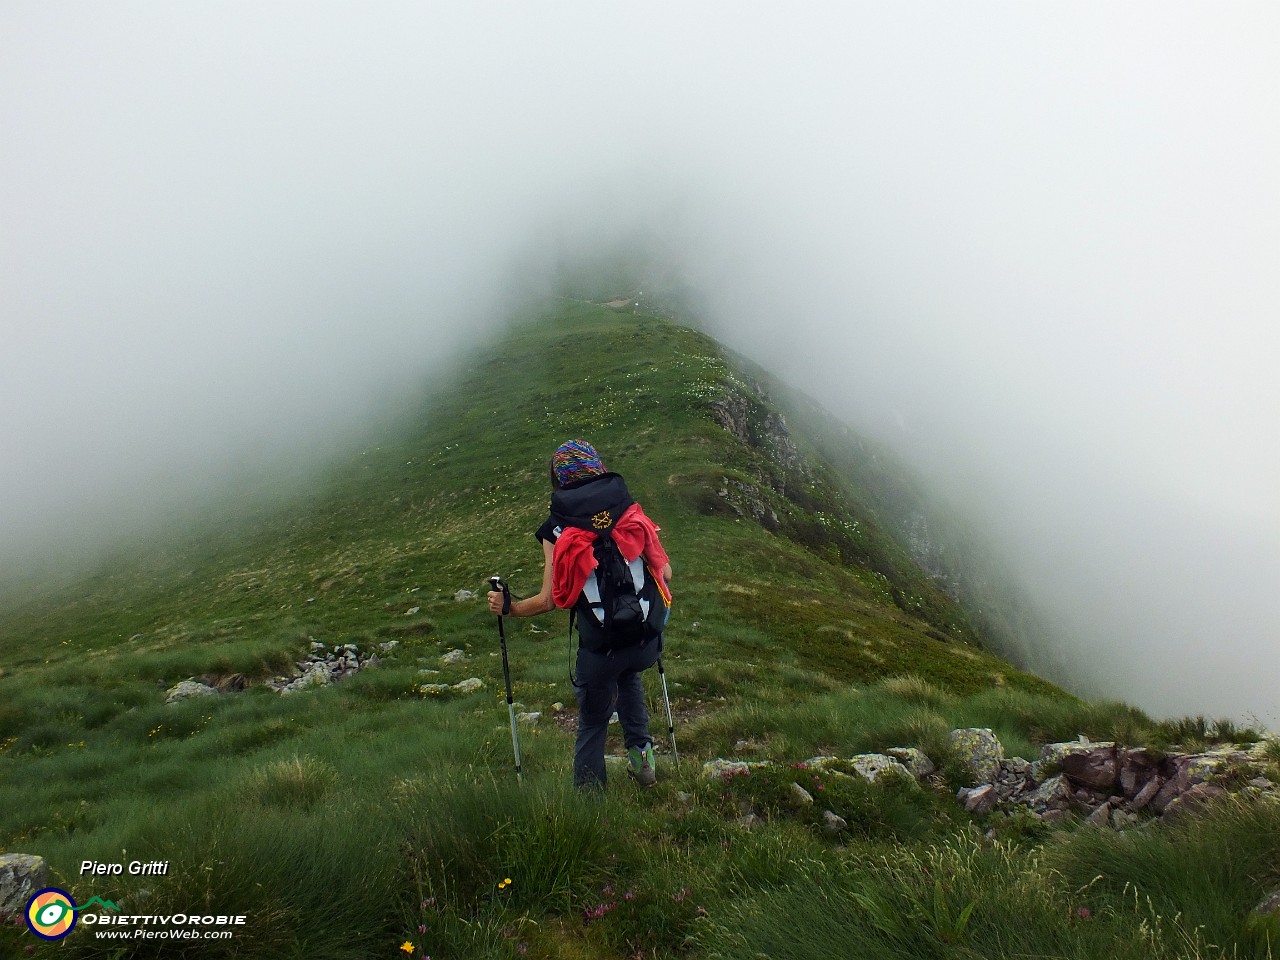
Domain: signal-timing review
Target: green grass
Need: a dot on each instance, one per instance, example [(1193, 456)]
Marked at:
[(348, 820)]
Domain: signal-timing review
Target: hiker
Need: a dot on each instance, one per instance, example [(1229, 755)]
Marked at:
[(619, 628)]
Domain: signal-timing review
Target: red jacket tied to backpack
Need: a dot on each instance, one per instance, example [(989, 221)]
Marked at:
[(634, 533)]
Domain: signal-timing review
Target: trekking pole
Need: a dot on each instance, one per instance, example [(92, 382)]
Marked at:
[(671, 724), (496, 584)]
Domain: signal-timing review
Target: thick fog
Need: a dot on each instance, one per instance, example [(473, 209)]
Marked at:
[(1036, 248)]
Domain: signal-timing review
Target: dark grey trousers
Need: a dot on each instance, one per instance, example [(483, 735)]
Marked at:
[(606, 680)]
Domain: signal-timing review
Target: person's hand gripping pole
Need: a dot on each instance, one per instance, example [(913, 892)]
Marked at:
[(496, 584)]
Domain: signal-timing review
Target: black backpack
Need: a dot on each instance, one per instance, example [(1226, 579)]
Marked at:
[(621, 605)]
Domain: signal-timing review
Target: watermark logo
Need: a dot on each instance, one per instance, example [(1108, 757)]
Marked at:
[(51, 913)]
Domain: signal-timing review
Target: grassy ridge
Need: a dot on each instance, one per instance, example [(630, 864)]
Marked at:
[(349, 820)]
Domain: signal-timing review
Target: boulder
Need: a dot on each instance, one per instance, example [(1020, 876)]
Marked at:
[(915, 761), (470, 685), (1092, 767), (980, 751), (801, 796), (869, 766), (452, 657), (188, 689), (833, 823), (21, 875)]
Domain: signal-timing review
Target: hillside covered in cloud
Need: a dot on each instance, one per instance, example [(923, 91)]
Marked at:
[(1032, 250)]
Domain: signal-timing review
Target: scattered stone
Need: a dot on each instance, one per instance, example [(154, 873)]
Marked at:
[(529, 719), (801, 795), (317, 646), (462, 596), (434, 689), (188, 689), (714, 769), (980, 750), (388, 646), (452, 657), (832, 823), (557, 707), (470, 685), (412, 610), (21, 875)]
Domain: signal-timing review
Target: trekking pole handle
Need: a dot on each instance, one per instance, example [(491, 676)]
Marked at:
[(496, 584)]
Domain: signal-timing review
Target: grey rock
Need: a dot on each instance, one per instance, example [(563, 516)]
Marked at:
[(452, 657), (870, 766), (1053, 794), (1195, 796), (21, 875), (1093, 767), (1147, 793), (801, 795), (470, 685), (188, 689), (978, 800), (434, 688), (462, 596), (1101, 817), (917, 764), (388, 646), (980, 750), (1270, 906), (1123, 819), (529, 719), (833, 823), (714, 769)]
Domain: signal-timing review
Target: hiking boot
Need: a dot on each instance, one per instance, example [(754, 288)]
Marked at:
[(640, 765)]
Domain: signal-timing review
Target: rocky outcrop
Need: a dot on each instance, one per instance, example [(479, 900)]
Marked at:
[(326, 665), (1105, 784), (1111, 785)]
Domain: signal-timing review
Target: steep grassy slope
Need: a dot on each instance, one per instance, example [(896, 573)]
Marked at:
[(347, 820)]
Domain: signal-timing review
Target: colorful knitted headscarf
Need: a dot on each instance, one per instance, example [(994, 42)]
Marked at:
[(576, 460)]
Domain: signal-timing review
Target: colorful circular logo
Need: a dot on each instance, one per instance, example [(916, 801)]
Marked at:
[(51, 913)]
